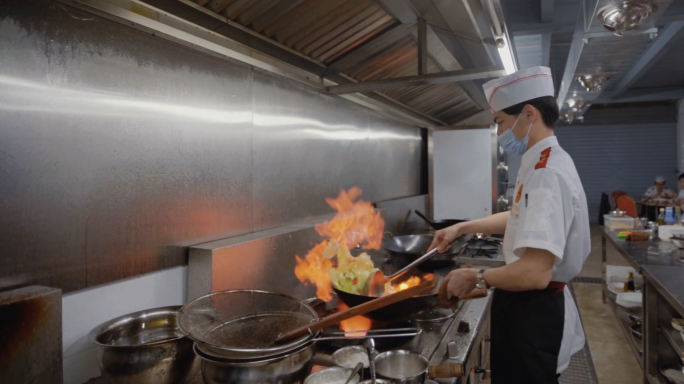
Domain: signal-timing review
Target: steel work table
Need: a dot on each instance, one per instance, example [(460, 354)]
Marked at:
[(663, 299)]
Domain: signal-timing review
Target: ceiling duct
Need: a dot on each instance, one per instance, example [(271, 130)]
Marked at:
[(598, 59), (626, 16)]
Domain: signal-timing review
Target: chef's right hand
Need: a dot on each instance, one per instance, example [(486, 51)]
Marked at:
[(444, 237)]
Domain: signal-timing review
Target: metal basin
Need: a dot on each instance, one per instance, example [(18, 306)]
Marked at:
[(333, 375), (290, 368), (402, 367), (145, 347)]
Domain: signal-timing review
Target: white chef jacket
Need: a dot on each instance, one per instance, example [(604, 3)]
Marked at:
[(550, 212)]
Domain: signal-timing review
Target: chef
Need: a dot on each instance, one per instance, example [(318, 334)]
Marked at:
[(535, 326), (658, 191)]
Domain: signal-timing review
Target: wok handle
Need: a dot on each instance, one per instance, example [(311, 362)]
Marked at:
[(445, 371), (419, 213), (362, 309)]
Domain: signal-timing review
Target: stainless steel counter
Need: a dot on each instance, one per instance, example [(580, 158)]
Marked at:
[(640, 253), (663, 299), (669, 282)]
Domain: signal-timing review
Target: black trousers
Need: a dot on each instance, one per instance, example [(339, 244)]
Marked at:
[(527, 330)]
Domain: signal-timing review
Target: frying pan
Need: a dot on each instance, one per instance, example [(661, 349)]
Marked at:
[(439, 224), (404, 249)]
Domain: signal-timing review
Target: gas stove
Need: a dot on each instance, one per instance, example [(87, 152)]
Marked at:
[(489, 247), (485, 250)]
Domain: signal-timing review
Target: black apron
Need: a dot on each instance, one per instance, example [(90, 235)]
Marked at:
[(526, 331)]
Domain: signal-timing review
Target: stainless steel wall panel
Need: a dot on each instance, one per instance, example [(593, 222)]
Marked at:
[(262, 260), (307, 147), (117, 150), (394, 159), (400, 218)]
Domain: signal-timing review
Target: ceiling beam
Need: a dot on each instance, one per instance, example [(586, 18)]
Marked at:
[(648, 94), (467, 17), (667, 37), (449, 51), (547, 11), (403, 10), (422, 47), (574, 55), (412, 81), (546, 50)]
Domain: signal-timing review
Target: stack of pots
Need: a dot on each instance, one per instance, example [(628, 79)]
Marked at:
[(234, 333)]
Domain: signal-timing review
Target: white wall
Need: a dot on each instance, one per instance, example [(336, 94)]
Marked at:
[(680, 136), (463, 174), (85, 309)]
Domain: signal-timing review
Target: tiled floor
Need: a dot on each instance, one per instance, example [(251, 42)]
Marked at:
[(614, 361)]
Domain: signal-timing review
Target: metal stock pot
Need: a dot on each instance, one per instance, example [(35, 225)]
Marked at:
[(290, 368), (145, 347)]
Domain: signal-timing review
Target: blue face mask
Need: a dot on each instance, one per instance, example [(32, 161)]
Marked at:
[(508, 142)]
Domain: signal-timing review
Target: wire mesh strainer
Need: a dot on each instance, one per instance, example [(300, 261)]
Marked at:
[(243, 324)]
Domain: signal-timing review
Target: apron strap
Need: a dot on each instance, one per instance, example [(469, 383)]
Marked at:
[(555, 287)]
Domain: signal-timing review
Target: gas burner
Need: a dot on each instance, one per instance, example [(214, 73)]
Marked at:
[(480, 246)]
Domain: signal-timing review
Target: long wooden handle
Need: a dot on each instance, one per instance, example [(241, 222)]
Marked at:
[(362, 309), (445, 371)]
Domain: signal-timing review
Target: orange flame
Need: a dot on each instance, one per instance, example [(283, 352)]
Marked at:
[(358, 323), (356, 223), (314, 268), (408, 283), (411, 282)]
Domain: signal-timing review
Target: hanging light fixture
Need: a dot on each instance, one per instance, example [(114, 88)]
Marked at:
[(592, 83), (502, 44), (505, 53), (626, 16), (577, 105)]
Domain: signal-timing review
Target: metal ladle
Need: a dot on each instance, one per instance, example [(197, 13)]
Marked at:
[(354, 372), (369, 344)]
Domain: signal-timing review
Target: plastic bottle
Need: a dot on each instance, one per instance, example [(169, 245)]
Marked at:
[(661, 217), (678, 217), (669, 216)]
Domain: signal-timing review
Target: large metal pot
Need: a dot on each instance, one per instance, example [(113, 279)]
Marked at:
[(145, 347), (291, 368), (402, 367)]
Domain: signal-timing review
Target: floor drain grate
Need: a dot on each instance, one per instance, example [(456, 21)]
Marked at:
[(587, 280)]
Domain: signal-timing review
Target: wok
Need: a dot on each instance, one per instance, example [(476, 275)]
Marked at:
[(409, 247), (439, 224), (402, 310)]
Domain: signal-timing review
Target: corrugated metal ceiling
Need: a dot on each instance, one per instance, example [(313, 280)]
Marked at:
[(327, 30)]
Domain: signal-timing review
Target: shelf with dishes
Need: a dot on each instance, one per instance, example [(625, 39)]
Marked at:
[(630, 323)]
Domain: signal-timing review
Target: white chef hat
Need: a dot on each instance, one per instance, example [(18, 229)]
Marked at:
[(519, 87), (659, 179)]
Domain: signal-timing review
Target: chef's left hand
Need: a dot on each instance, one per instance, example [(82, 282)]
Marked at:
[(460, 282)]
